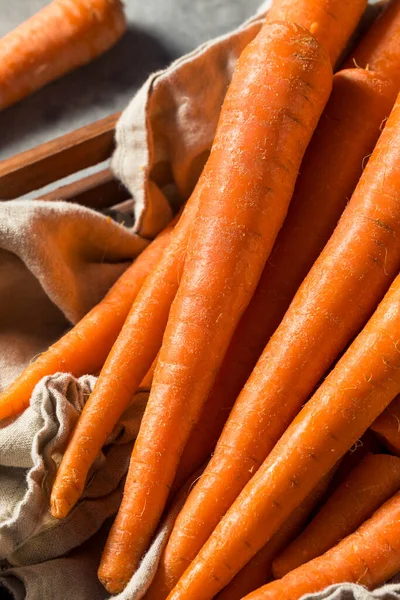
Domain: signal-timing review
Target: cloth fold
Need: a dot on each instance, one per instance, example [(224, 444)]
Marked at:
[(56, 261)]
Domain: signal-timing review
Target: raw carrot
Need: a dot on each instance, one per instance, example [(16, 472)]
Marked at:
[(387, 426), (334, 301), (347, 132), (258, 569), (366, 488), (85, 347), (369, 557), (62, 36), (331, 22), (265, 125), (379, 50), (128, 362), (356, 391)]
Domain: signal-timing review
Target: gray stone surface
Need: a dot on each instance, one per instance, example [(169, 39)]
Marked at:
[(158, 32)]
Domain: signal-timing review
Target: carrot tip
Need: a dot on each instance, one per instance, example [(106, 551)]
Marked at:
[(59, 508), (113, 586)]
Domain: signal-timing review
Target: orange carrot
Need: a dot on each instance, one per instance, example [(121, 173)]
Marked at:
[(265, 125), (356, 391), (379, 50), (347, 132), (369, 557), (62, 36), (387, 426), (258, 569), (331, 22), (365, 489), (128, 362), (85, 347), (334, 301)]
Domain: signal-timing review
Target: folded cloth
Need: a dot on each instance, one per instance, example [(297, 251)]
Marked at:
[(56, 261)]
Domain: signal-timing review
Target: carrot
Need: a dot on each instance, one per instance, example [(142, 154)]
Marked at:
[(331, 22), (85, 347), (258, 569), (365, 489), (334, 301), (127, 364), (356, 391), (379, 50), (265, 125), (387, 426), (369, 557), (64, 35), (347, 132)]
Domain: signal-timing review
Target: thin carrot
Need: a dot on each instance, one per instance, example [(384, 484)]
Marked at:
[(356, 391), (128, 362), (331, 22), (85, 347), (379, 50), (369, 557), (62, 36), (387, 426), (347, 132), (258, 569), (334, 301), (265, 125), (366, 488)]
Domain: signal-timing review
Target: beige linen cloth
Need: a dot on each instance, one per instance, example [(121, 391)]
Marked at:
[(56, 261)]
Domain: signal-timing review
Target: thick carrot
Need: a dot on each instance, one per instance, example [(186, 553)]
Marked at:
[(335, 300), (347, 132), (62, 36), (357, 390), (331, 22), (366, 488), (258, 569), (265, 125), (387, 426), (379, 50), (369, 557), (127, 364), (85, 347)]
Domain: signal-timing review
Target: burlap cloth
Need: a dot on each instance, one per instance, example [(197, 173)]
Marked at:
[(56, 261)]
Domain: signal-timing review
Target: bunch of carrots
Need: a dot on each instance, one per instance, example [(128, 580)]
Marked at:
[(266, 321)]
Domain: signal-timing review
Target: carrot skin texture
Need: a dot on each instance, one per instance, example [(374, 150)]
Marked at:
[(379, 49), (64, 35), (127, 364), (387, 427), (85, 347), (258, 569), (359, 388), (366, 488), (334, 301), (347, 132), (252, 168), (369, 557), (331, 22)]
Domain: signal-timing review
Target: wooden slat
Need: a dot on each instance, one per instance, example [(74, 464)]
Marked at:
[(97, 191), (35, 168)]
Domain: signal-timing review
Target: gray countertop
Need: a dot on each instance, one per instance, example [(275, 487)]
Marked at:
[(158, 32)]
